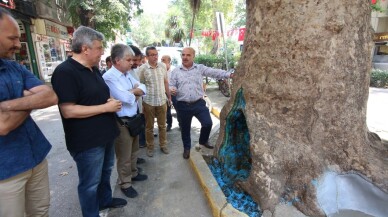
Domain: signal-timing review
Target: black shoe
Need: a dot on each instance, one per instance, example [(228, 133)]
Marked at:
[(142, 145), (207, 146), (168, 128), (129, 192), (140, 160), (140, 177), (186, 154), (155, 134), (116, 203)]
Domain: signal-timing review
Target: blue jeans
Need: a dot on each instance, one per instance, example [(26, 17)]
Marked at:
[(186, 112), (94, 169)]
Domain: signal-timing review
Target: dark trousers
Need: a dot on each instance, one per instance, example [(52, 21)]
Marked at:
[(142, 140), (186, 112), (168, 116), (175, 104)]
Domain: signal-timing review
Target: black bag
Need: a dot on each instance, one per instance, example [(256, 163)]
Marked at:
[(135, 124)]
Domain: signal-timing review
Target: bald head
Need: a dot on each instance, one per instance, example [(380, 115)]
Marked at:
[(10, 35), (188, 54), (166, 59)]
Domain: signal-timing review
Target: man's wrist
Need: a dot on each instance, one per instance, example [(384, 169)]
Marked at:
[(4, 107)]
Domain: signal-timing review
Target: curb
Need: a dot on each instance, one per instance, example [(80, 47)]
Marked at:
[(216, 198)]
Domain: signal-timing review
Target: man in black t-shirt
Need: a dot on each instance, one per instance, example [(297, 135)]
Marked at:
[(87, 113)]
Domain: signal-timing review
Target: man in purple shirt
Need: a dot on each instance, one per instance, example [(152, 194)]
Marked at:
[(186, 84)]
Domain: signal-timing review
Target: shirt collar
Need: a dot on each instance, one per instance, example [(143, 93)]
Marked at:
[(79, 66), (150, 67), (195, 65), (115, 72)]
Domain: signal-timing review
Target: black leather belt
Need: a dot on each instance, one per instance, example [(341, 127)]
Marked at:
[(191, 103), (127, 118)]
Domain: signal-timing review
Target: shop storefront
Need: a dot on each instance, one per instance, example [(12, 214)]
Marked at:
[(380, 51), (22, 56), (51, 42), (22, 11)]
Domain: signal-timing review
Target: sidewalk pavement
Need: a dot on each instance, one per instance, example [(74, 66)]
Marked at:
[(174, 187)]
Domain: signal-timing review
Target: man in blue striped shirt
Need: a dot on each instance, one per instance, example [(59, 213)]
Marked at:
[(186, 84)]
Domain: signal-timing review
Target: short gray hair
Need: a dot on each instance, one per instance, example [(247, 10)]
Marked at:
[(84, 36), (118, 52)]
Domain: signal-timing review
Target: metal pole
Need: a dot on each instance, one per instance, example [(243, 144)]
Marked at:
[(221, 27)]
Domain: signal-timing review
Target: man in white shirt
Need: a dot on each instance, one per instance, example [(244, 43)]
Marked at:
[(124, 87)]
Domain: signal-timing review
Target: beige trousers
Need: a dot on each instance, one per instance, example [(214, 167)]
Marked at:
[(127, 150), (26, 193), (150, 112)]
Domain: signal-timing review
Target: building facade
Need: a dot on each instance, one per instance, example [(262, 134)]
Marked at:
[(45, 34), (379, 21)]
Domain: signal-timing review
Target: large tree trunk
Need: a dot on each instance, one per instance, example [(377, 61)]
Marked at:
[(304, 73)]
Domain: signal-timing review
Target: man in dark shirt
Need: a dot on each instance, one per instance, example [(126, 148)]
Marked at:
[(108, 62), (24, 186), (88, 118)]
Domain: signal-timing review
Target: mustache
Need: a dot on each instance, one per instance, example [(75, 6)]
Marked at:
[(14, 48)]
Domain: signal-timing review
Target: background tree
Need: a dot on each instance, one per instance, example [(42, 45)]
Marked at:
[(205, 18), (146, 30), (305, 81), (174, 29), (195, 6), (239, 15), (104, 15)]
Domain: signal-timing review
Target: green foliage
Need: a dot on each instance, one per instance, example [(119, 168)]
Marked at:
[(217, 61), (146, 30), (205, 17), (106, 16), (377, 7), (195, 5), (174, 28), (379, 78), (239, 15), (209, 60)]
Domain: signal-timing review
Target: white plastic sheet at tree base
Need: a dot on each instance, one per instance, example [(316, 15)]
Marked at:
[(336, 192)]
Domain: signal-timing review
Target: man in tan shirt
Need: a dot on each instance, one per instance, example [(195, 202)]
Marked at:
[(154, 76)]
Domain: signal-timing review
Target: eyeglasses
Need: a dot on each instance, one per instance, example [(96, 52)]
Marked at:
[(152, 55)]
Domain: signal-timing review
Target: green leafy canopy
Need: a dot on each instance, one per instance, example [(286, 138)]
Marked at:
[(106, 16)]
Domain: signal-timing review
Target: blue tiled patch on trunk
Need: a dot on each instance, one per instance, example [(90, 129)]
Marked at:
[(234, 159), (235, 196)]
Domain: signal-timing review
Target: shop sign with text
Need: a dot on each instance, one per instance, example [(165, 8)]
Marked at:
[(56, 30), (382, 36)]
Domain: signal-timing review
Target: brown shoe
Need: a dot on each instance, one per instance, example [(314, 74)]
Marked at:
[(164, 150), (206, 146), (186, 154), (150, 153)]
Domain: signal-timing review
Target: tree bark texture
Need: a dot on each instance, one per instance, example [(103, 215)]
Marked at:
[(305, 77)]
